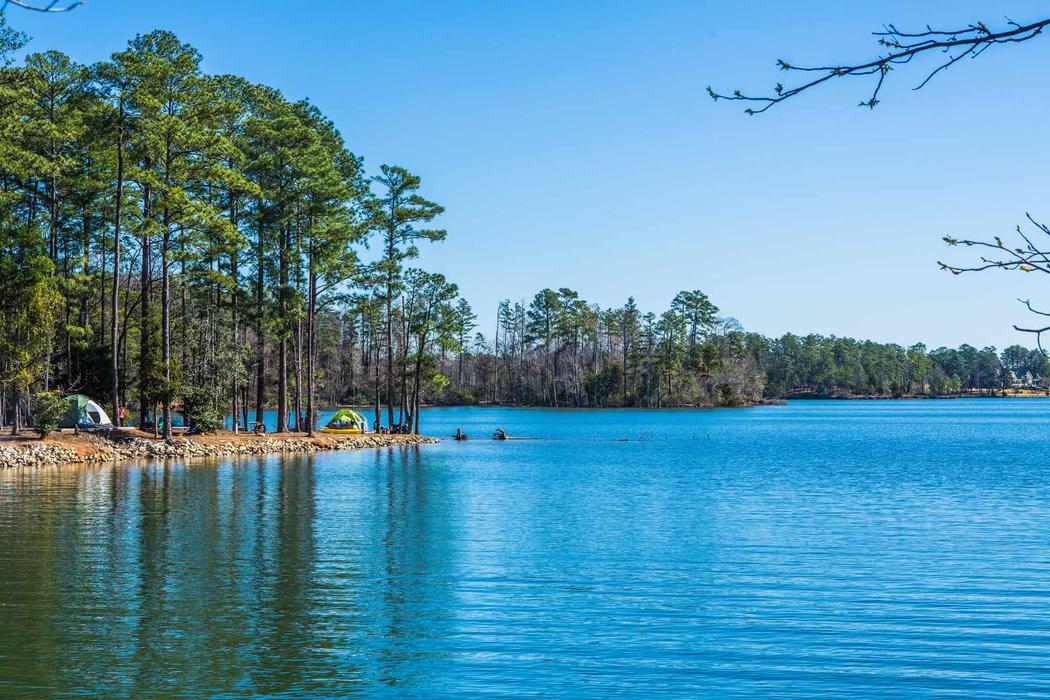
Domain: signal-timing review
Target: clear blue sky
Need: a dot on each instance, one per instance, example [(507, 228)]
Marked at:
[(573, 144)]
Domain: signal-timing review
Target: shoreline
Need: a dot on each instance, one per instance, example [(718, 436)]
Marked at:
[(68, 449), (999, 394), (773, 401)]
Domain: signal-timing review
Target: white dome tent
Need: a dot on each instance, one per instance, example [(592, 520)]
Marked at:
[(84, 413)]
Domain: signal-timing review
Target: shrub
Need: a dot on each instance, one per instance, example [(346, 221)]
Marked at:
[(48, 408), (458, 396), (200, 410)]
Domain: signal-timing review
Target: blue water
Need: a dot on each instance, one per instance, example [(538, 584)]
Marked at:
[(862, 549)]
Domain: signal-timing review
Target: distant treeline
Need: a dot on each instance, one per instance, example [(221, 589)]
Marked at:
[(559, 350), (830, 366)]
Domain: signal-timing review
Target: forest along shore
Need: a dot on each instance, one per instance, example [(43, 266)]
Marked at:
[(67, 448), (1032, 393)]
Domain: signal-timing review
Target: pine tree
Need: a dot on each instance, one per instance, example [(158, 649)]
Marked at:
[(394, 214)]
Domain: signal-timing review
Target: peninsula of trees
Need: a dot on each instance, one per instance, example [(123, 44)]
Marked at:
[(172, 240), (168, 236)]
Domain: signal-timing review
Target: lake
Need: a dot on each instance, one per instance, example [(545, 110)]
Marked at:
[(882, 548)]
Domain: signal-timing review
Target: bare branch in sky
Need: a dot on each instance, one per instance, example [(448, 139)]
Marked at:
[(43, 5), (902, 47), (1023, 255)]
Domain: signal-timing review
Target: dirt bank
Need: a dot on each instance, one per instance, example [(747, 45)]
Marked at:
[(67, 448)]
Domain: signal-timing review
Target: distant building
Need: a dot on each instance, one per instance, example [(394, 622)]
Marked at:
[(1026, 381)]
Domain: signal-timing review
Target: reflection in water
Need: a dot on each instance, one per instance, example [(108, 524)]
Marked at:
[(820, 549), (218, 577), (415, 579)]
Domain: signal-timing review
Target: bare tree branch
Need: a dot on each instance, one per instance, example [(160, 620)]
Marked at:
[(43, 5), (1026, 258), (1038, 334), (1028, 303), (969, 42), (955, 45)]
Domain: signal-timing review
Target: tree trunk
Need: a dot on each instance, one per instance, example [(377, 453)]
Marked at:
[(403, 393), (165, 325), (260, 350), (376, 365), (311, 325), (624, 380), (234, 267), (282, 348), (495, 362), (144, 339), (416, 382), (390, 325), (389, 357), (298, 360)]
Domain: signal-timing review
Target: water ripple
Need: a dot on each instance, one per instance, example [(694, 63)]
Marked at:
[(869, 549)]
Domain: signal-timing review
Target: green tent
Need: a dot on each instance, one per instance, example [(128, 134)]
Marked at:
[(347, 420), (84, 413)]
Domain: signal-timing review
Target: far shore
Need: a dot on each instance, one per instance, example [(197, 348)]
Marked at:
[(995, 394), (775, 401)]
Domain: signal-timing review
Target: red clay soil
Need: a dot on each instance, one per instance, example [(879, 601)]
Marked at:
[(84, 447), (26, 437)]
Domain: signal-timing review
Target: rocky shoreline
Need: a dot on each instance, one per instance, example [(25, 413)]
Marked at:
[(87, 449)]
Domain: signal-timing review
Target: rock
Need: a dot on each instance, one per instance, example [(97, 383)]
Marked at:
[(121, 446)]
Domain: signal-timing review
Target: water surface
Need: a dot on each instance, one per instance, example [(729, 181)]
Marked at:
[(820, 548)]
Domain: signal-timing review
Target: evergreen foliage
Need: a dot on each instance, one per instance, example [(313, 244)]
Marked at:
[(48, 409)]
